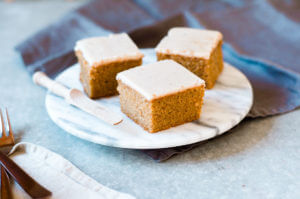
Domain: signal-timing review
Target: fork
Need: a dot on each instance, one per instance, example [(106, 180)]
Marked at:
[(33, 188), (6, 140)]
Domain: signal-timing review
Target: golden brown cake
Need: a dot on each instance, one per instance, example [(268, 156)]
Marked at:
[(200, 51), (101, 58), (160, 95)]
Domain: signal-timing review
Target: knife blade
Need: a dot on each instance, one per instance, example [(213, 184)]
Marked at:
[(77, 98)]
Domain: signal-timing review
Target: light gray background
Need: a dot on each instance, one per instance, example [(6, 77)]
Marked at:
[(258, 159)]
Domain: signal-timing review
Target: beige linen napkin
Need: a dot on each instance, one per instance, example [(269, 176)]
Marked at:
[(58, 175)]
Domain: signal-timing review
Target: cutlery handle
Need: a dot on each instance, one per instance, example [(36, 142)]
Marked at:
[(42, 79), (34, 189), (5, 186)]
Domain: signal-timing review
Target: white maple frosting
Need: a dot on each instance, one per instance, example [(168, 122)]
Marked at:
[(159, 79), (189, 42), (114, 47)]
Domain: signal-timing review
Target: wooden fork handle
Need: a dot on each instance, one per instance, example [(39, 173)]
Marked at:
[(5, 186), (42, 79), (33, 188)]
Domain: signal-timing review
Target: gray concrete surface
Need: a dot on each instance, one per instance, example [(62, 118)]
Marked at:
[(258, 159)]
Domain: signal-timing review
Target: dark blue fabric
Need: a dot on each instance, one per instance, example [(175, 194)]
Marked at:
[(273, 80)]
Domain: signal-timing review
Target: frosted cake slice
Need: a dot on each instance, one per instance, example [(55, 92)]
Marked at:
[(160, 95), (101, 58), (200, 51)]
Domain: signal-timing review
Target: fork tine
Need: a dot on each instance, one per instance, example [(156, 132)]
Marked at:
[(10, 132), (2, 124)]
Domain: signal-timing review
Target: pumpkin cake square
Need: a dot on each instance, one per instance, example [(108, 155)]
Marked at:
[(160, 95), (101, 58), (200, 51)]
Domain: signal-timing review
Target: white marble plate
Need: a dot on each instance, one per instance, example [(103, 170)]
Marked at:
[(224, 107)]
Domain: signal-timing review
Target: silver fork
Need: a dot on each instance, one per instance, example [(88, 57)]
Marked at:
[(6, 140), (34, 189)]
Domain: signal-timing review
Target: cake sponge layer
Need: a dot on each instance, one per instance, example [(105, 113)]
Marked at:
[(160, 95), (200, 51), (101, 58)]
